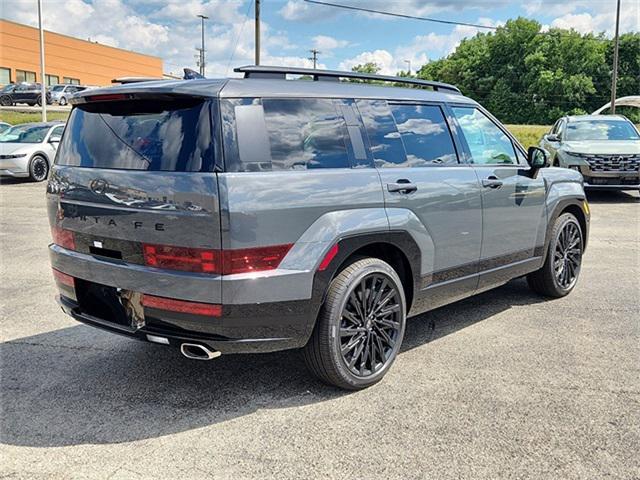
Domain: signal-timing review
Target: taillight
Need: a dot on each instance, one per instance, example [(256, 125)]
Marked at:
[(108, 97), (63, 278), (182, 258), (182, 306), (253, 259), (221, 262), (63, 238)]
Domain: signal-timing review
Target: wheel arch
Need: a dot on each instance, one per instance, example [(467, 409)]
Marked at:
[(575, 207)]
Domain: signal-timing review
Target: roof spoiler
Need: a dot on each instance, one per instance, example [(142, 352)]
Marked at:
[(260, 71)]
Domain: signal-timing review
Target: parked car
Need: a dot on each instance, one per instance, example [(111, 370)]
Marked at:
[(4, 126), (28, 150), (304, 214), (29, 93), (605, 149), (60, 93)]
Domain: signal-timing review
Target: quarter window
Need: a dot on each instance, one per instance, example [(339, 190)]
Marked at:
[(487, 143), (425, 135)]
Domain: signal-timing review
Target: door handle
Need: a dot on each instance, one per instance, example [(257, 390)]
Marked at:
[(402, 186), (492, 182)]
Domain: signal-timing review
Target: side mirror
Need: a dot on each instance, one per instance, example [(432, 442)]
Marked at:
[(552, 137), (537, 158)]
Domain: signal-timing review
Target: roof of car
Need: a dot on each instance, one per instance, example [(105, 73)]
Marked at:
[(588, 118), (260, 87)]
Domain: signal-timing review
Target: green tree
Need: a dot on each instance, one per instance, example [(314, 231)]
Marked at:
[(525, 75)]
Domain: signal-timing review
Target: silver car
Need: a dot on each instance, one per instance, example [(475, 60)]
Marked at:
[(28, 150), (60, 94)]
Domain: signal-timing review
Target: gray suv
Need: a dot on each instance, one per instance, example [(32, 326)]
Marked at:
[(262, 214)]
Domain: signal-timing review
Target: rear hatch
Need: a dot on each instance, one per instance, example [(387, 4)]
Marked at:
[(133, 195)]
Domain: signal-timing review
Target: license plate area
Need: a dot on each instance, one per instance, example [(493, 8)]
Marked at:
[(108, 303)]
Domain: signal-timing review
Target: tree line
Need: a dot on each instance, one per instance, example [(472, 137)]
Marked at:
[(524, 75)]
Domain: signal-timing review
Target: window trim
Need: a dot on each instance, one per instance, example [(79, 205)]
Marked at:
[(514, 142)]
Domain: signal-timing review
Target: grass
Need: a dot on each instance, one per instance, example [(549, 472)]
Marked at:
[(15, 118), (528, 134)]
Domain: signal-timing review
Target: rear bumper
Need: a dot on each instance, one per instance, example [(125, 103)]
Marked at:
[(261, 326), (174, 337)]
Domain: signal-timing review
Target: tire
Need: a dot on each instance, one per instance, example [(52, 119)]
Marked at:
[(62, 102), (565, 250), (31, 104), (374, 340), (39, 101), (6, 101), (38, 168)]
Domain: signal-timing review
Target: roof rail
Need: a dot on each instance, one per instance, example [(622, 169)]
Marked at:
[(260, 71)]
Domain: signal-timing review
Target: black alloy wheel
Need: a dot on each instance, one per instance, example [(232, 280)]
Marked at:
[(359, 330), (370, 325), (567, 256)]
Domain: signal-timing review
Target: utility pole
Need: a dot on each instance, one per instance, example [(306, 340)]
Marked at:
[(614, 74), (408, 62), (43, 87), (257, 32), (314, 57), (202, 61)]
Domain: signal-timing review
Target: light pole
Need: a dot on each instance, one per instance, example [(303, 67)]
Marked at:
[(202, 61), (257, 32), (43, 88), (408, 62), (614, 74)]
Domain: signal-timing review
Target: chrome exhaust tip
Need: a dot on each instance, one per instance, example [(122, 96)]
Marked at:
[(195, 351)]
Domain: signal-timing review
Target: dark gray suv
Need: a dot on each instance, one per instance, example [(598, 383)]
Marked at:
[(261, 214)]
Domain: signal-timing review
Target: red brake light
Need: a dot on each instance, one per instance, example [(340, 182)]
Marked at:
[(182, 306), (333, 251), (63, 278), (111, 97), (254, 259), (222, 262), (182, 258), (63, 238)]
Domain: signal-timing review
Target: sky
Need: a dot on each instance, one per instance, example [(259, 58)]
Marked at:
[(290, 28)]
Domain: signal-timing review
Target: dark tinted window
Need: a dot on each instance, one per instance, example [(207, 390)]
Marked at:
[(425, 135), (140, 135), (384, 139), (305, 133)]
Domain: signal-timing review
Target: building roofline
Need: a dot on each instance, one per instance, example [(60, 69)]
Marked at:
[(82, 40)]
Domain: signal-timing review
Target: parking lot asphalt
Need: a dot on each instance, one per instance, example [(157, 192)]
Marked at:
[(502, 385)]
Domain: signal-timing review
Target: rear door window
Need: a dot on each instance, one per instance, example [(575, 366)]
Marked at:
[(384, 139), (158, 135)]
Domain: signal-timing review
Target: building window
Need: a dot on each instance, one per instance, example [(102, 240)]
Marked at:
[(5, 76), (24, 76), (71, 81), (51, 80)]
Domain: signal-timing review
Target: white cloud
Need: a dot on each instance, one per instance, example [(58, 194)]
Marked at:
[(326, 44), (416, 51)]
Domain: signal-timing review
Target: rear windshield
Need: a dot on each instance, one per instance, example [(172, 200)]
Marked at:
[(155, 135)]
